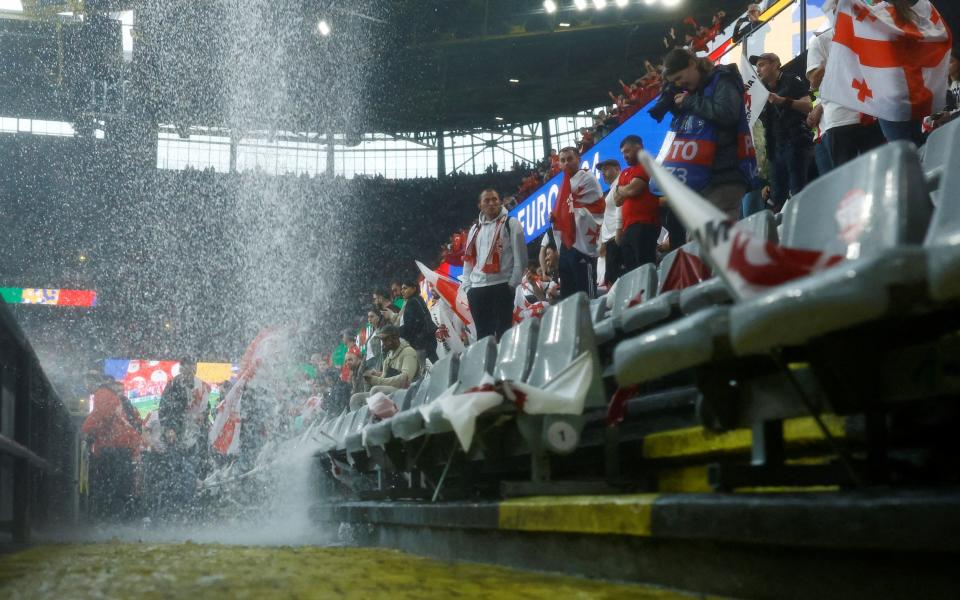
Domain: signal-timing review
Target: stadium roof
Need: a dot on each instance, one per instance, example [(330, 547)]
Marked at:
[(398, 66)]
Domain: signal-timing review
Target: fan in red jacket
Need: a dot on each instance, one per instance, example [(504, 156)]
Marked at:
[(115, 445)]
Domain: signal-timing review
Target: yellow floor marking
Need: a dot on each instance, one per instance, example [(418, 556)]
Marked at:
[(620, 515), (697, 441), (195, 571)]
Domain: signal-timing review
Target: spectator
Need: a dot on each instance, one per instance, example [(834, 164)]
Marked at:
[(577, 219), (713, 149), (953, 93), (641, 209), (400, 366), (747, 24), (416, 326), (785, 124), (845, 133), (374, 357), (114, 446), (554, 159), (131, 413), (338, 395), (534, 294), (174, 401), (396, 289), (388, 310), (493, 265), (349, 340), (612, 229), (910, 130), (586, 140)]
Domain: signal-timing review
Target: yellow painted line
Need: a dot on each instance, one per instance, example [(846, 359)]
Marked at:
[(697, 441), (617, 515)]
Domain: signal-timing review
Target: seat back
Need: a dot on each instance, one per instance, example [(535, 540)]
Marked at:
[(598, 309), (515, 352), (443, 374), (565, 333), (874, 202), (638, 285), (682, 268), (763, 224), (479, 360), (419, 397), (942, 159)]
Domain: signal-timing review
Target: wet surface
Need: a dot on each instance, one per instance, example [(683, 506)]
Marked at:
[(188, 570)]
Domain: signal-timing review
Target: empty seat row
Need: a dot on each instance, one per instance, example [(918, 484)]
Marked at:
[(876, 213)]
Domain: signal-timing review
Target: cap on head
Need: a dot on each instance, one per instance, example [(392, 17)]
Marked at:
[(610, 162), (675, 61), (389, 331), (768, 56)]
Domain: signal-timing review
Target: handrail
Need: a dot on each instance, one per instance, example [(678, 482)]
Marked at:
[(766, 16), (12, 448)]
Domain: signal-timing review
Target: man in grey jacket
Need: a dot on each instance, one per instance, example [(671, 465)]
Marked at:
[(493, 263)]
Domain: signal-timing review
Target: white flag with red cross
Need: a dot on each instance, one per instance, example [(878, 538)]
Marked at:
[(885, 66), (749, 264)]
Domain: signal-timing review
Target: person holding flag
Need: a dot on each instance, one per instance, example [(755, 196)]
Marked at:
[(577, 219), (493, 262), (889, 60)]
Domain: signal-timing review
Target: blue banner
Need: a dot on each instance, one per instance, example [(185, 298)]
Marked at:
[(534, 212)]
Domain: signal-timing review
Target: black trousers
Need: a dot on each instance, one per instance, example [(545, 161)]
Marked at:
[(670, 222), (640, 245), (613, 261), (111, 484), (850, 141), (578, 273), (492, 309)]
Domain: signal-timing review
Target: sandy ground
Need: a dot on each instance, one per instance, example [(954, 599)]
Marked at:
[(189, 570)]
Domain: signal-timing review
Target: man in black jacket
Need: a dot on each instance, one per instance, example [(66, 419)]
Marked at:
[(174, 401), (416, 325), (789, 140)]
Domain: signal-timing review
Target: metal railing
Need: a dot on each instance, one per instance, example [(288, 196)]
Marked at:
[(36, 439)]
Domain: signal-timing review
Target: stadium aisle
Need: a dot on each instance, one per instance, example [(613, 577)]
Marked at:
[(123, 570)]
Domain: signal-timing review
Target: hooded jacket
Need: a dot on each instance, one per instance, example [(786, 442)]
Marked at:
[(108, 426)]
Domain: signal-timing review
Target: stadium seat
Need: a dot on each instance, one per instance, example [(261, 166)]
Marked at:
[(679, 269), (353, 438), (566, 332), (410, 423), (688, 342), (713, 291), (873, 211), (943, 238), (515, 351), (939, 158), (635, 285), (598, 309), (378, 434), (479, 360)]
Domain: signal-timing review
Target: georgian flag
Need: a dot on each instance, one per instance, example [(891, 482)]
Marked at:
[(225, 431), (755, 93), (452, 292), (885, 67), (451, 331), (748, 264)]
